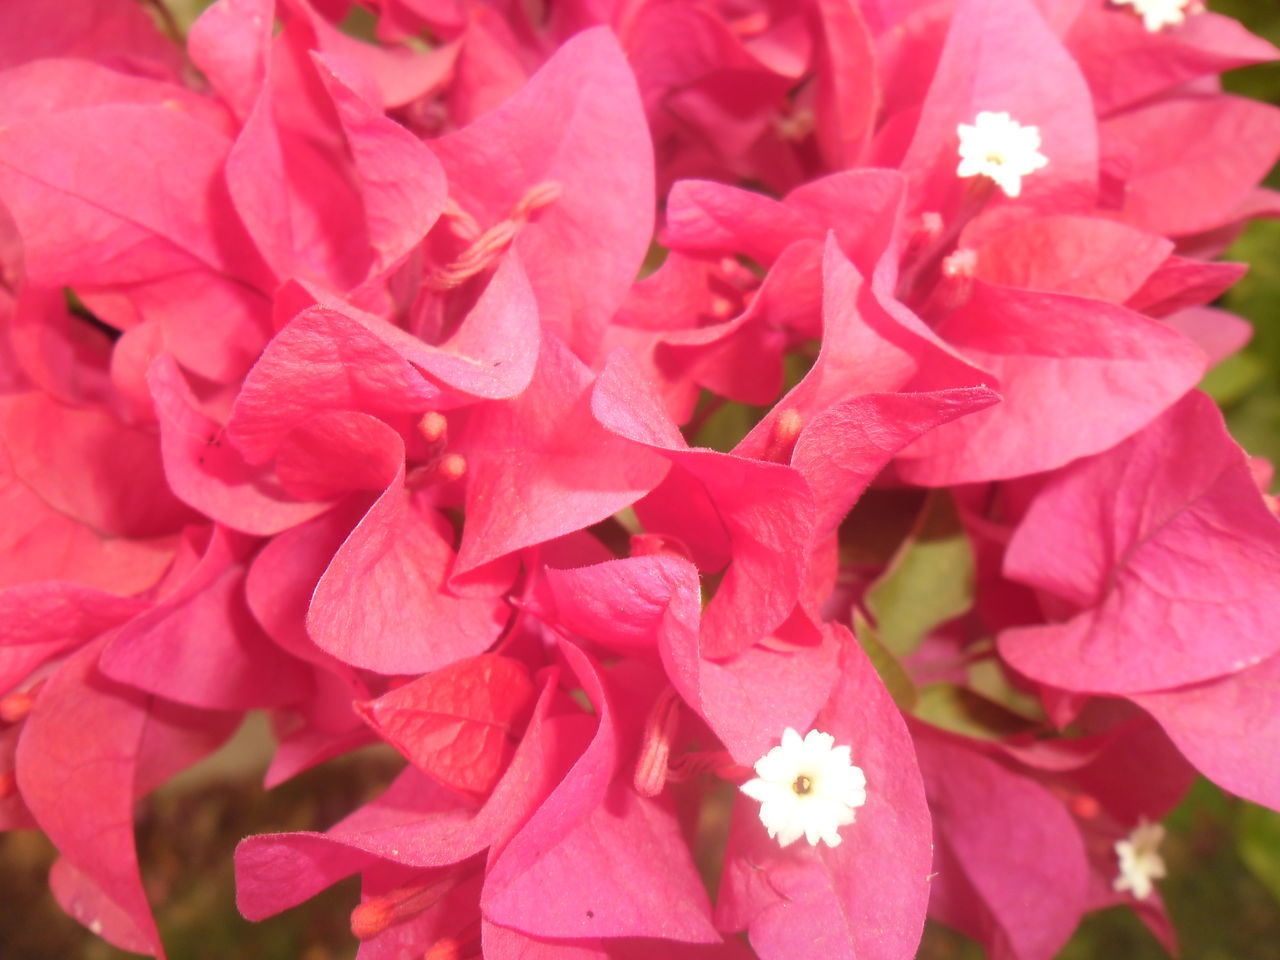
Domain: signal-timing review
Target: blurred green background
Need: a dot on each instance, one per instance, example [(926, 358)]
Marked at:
[(1223, 890)]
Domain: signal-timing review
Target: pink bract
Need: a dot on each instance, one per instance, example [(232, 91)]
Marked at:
[(574, 402)]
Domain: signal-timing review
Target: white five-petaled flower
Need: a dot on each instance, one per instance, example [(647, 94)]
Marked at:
[(999, 147), (1140, 860), (1158, 14), (807, 788)]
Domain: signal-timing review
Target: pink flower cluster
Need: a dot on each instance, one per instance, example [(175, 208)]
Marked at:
[(377, 406)]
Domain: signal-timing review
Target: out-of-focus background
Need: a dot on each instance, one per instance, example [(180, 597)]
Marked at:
[(1223, 890)]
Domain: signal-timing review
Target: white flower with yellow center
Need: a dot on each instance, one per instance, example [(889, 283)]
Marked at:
[(1140, 860), (999, 147), (1158, 14), (807, 788)]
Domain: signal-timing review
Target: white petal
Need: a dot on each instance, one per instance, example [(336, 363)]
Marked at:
[(776, 765), (789, 834), (761, 790)]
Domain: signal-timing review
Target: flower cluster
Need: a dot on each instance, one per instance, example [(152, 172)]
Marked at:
[(604, 399)]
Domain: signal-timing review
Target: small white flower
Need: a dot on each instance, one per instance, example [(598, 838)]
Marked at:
[(807, 788), (1158, 14), (1140, 860), (999, 147)]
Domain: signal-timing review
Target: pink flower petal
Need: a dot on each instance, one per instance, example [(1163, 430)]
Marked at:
[(169, 649), (984, 66), (865, 898), (618, 861), (383, 604), (1228, 728), (1169, 568), (1188, 162), (76, 765), (540, 466), (1011, 865), (1060, 360), (321, 361), (577, 123), (457, 724), (205, 471)]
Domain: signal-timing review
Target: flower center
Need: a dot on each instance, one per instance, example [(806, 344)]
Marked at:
[(802, 785), (1000, 148)]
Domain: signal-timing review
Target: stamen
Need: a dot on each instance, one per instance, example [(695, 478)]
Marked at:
[(922, 268), (1085, 807), (655, 749), (721, 308), (718, 763), (486, 246), (647, 544), (535, 198), (738, 275), (953, 287), (796, 125), (463, 224), (17, 705), (433, 426), (376, 914), (445, 469), (475, 258), (750, 25), (928, 230), (786, 429), (465, 945), (452, 466)]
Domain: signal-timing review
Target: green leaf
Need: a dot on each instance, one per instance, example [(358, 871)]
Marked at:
[(1234, 377), (928, 582), (962, 711), (894, 676), (654, 259), (989, 679), (1258, 841), (723, 424)]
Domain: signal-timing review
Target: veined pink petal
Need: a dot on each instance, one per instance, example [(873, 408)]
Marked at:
[(384, 603), (321, 360), (615, 857), (984, 66), (865, 898), (1060, 360), (540, 465), (205, 471), (1228, 728), (76, 764), (578, 123), (1168, 552), (1012, 870), (1187, 162), (99, 28), (169, 649)]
